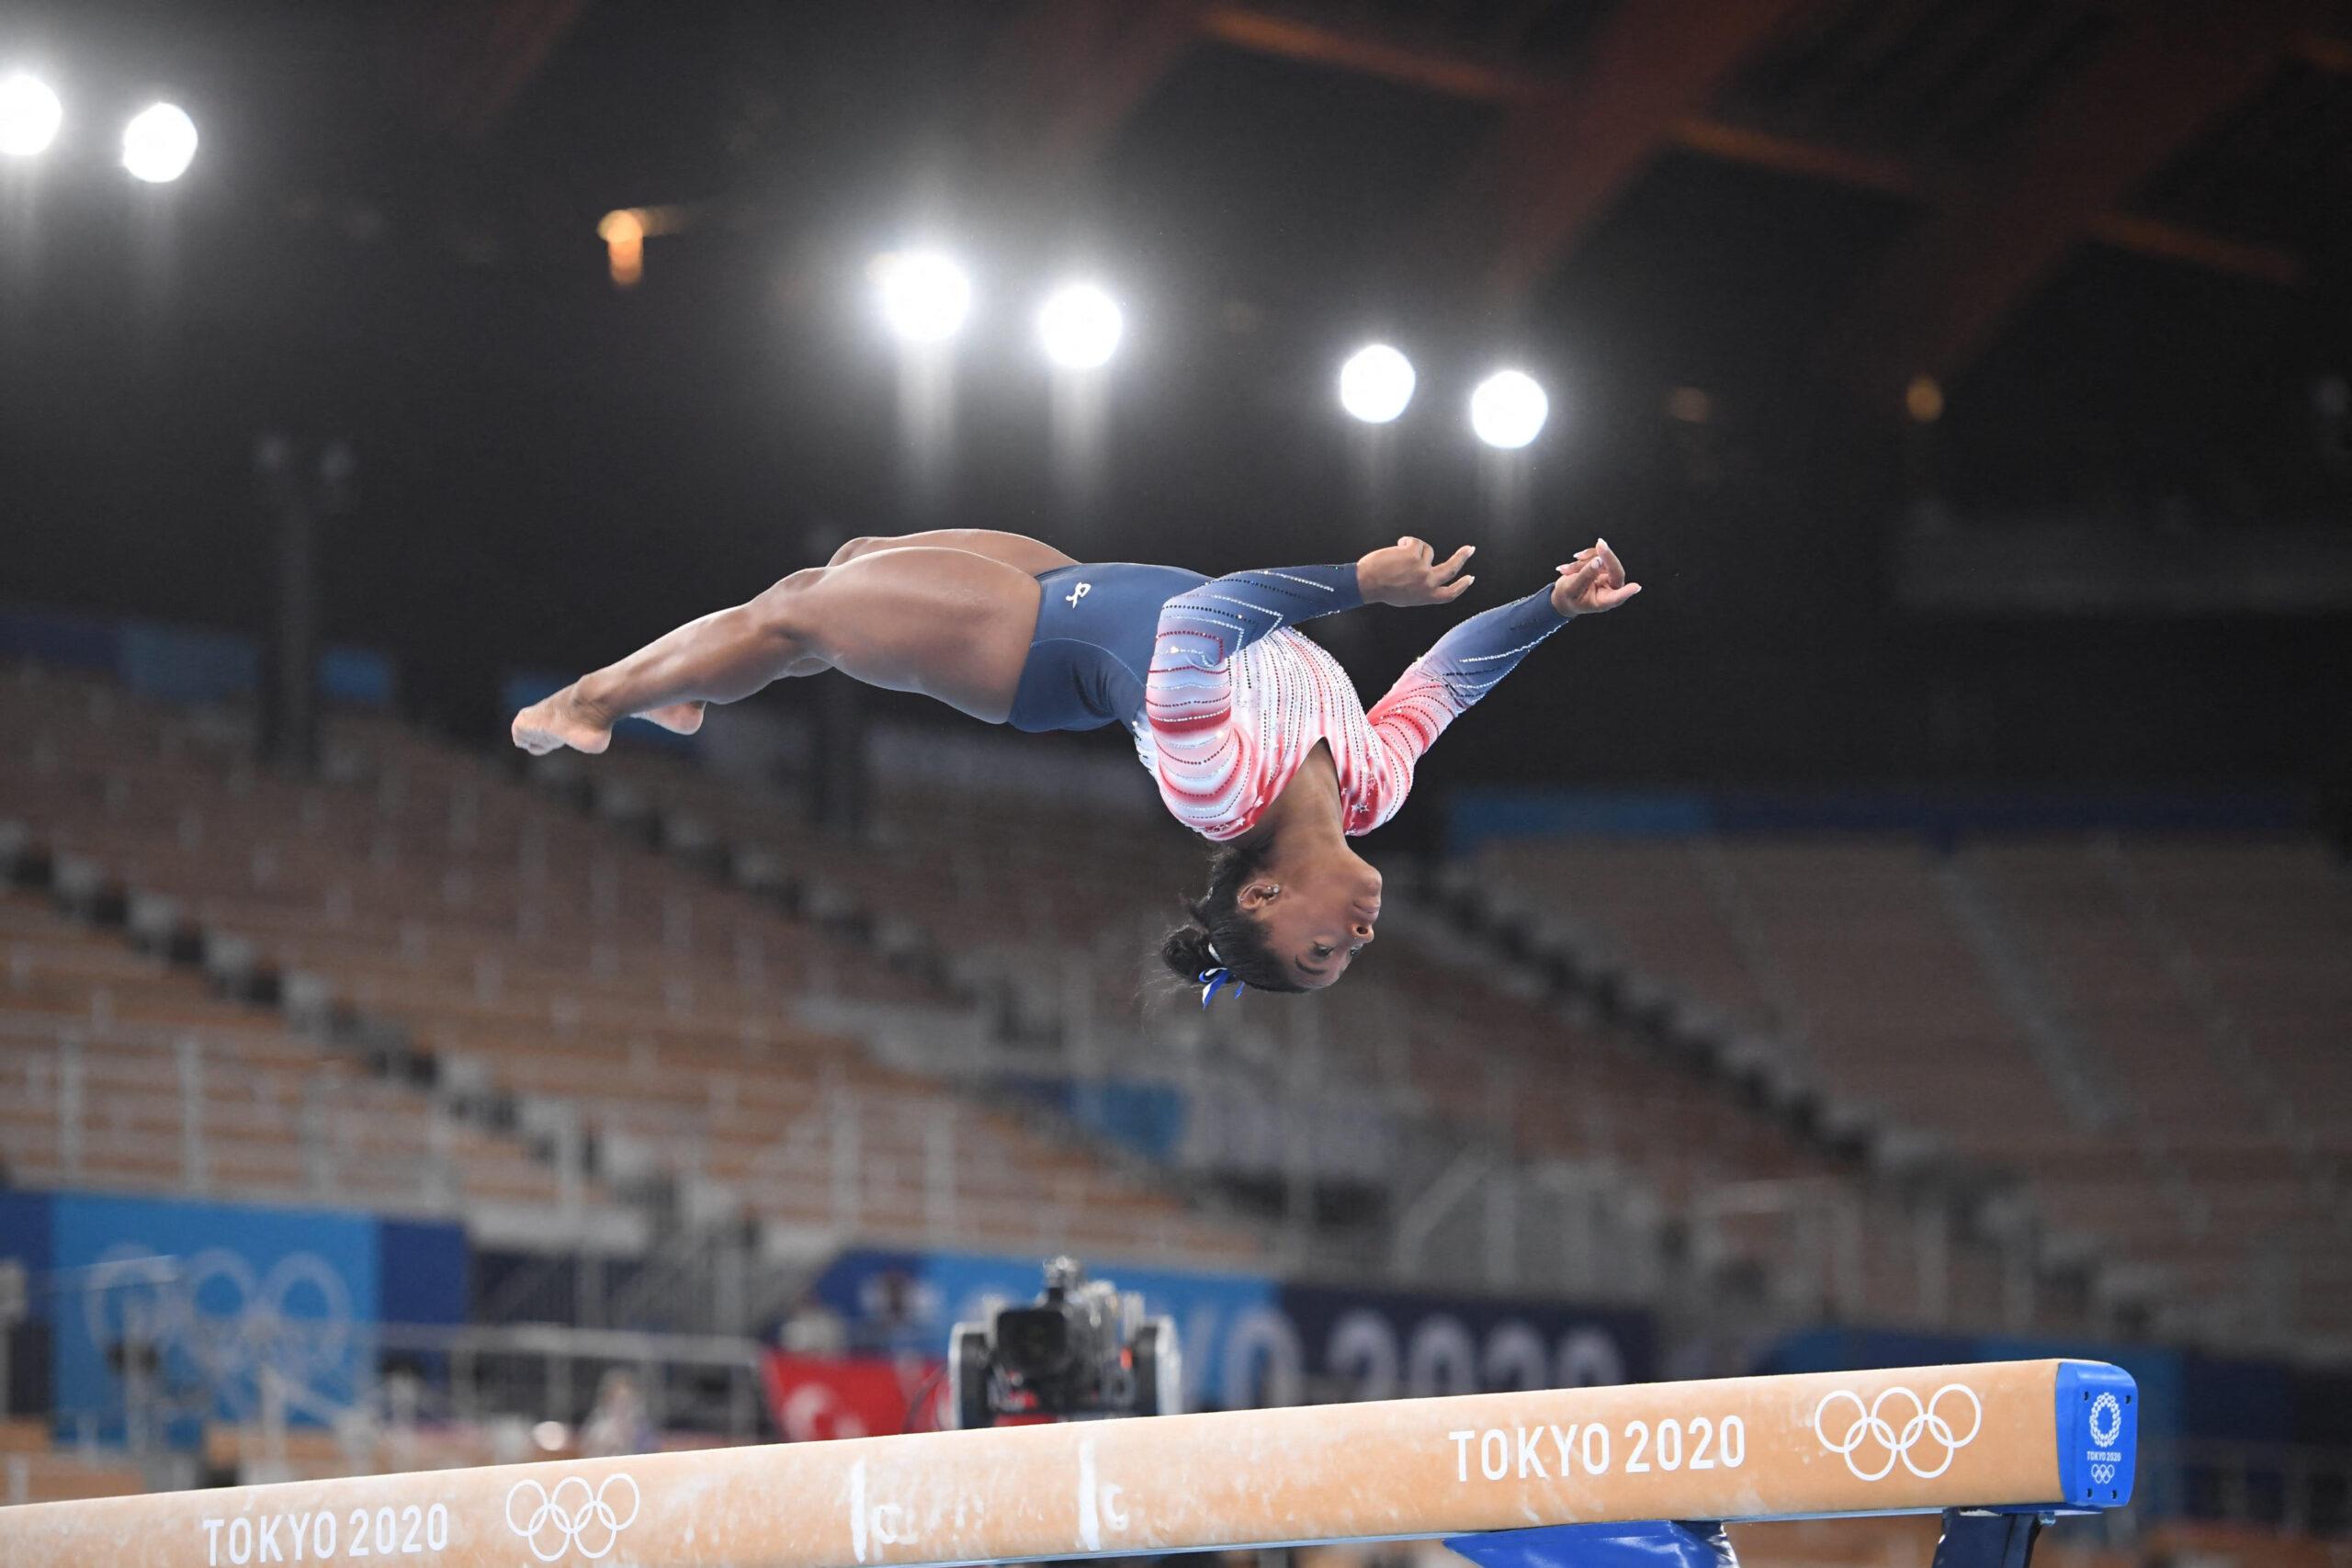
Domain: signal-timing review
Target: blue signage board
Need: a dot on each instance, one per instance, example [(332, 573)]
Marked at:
[(215, 1308), (1251, 1340)]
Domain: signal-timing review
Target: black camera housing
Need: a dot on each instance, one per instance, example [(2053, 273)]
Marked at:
[(1081, 1349)]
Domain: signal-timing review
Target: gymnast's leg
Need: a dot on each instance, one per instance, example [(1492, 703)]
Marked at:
[(1017, 550), (948, 624)]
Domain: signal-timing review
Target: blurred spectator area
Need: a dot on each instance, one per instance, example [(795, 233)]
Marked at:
[(1438, 1116), (472, 999), (2077, 1083), (2145, 1030), (656, 997)]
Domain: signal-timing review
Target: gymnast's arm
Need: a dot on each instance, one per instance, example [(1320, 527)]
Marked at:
[(1472, 660), (1190, 688), (1202, 628)]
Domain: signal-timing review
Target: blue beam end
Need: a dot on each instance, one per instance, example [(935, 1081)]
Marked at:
[(2099, 1434)]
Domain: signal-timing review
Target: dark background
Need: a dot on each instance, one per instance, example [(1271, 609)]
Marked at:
[(389, 235)]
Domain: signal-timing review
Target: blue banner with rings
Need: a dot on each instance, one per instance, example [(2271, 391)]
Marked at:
[(166, 1310)]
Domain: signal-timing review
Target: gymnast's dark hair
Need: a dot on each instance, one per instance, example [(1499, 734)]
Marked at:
[(1218, 921)]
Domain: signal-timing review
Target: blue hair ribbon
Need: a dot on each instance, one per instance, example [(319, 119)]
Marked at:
[(1215, 977)]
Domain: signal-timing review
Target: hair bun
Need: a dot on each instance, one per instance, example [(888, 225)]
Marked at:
[(1186, 951)]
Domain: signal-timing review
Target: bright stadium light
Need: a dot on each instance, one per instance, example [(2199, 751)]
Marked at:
[(159, 143), (29, 116), (925, 296), (1509, 409), (1376, 384), (1079, 326)]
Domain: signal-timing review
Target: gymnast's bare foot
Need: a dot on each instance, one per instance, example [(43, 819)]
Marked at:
[(679, 719), (564, 719)]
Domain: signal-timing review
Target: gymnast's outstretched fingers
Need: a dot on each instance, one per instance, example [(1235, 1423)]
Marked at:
[(1593, 582)]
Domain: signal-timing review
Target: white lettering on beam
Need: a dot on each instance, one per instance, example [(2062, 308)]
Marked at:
[(416, 1529), (1089, 1521), (1496, 1446), (1098, 1502)]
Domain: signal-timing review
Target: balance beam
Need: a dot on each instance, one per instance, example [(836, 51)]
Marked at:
[(2029, 1435)]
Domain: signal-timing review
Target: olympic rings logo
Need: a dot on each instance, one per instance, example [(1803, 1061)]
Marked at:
[(1926, 1421), (2105, 1408), (234, 1321), (556, 1524)]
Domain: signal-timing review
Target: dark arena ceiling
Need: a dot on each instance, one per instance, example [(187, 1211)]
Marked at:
[(1735, 236)]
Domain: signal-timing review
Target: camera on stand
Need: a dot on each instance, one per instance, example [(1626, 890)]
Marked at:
[(1082, 1348)]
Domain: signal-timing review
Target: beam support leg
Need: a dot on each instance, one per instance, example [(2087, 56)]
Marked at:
[(1987, 1540), (1655, 1543)]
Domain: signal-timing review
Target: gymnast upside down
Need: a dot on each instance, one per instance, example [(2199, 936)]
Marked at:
[(1254, 733)]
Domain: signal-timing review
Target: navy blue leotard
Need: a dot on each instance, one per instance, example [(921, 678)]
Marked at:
[(1092, 651)]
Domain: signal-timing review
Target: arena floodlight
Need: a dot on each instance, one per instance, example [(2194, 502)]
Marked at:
[(1375, 383), (159, 143), (29, 116), (924, 295), (1508, 409), (1079, 326)]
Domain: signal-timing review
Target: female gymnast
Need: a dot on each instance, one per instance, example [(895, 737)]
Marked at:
[(1254, 733)]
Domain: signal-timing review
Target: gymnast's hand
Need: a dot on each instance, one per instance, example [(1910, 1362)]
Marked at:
[(1593, 582), (1407, 573)]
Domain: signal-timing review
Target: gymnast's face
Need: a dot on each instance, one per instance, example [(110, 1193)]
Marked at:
[(1317, 912)]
